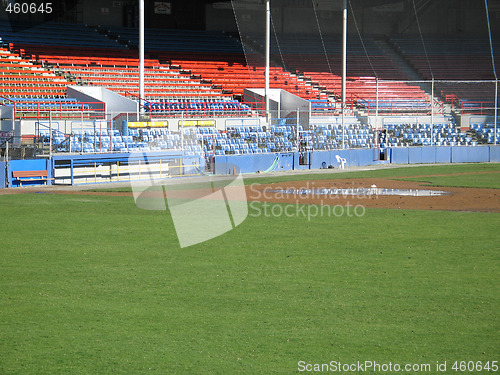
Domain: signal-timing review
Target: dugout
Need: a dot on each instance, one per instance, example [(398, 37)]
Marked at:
[(124, 167)]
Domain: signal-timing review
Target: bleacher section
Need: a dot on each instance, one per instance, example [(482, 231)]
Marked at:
[(453, 58), (484, 133), (33, 91), (330, 136), (198, 108), (236, 140), (233, 140), (55, 108), (213, 57), (195, 65), (122, 76), (236, 77), (323, 71), (312, 56), (362, 92), (23, 79), (417, 134), (449, 57)]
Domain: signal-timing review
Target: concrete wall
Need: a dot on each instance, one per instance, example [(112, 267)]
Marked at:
[(115, 103), (289, 105)]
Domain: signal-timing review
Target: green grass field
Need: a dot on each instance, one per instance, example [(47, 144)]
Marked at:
[(94, 285)]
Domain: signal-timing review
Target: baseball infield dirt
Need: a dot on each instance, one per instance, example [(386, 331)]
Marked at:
[(458, 199)]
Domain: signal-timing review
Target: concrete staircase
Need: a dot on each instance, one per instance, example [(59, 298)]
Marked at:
[(390, 52), (410, 72)]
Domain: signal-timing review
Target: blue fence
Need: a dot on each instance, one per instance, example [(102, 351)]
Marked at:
[(445, 154), (251, 163), (495, 154), (271, 162), (3, 180)]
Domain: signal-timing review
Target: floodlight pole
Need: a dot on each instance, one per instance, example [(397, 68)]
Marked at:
[(141, 56), (344, 67), (268, 47)]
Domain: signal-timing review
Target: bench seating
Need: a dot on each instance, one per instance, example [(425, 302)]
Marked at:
[(23, 176)]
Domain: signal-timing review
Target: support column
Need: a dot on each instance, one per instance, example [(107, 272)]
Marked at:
[(141, 56), (268, 48), (344, 67)]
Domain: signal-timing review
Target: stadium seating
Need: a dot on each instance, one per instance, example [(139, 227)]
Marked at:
[(33, 91), (484, 133), (121, 74), (211, 141), (363, 92), (453, 58), (312, 55), (319, 62), (449, 57), (21, 78), (101, 56), (202, 73), (236, 77), (418, 134)]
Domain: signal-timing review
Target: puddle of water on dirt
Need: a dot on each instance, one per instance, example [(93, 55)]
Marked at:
[(361, 191)]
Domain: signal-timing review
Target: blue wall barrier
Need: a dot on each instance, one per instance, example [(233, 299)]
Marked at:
[(495, 153), (400, 155), (470, 154), (445, 154), (285, 161), (248, 163), (252, 163), (3, 180)]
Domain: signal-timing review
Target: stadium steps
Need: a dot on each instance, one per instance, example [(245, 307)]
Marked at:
[(398, 59), (258, 53), (403, 64)]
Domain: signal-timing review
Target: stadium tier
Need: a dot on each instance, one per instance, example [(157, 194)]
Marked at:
[(23, 79), (32, 91), (366, 58), (198, 64), (367, 93), (198, 74), (448, 57), (453, 58), (100, 57), (238, 140), (176, 41), (320, 62)]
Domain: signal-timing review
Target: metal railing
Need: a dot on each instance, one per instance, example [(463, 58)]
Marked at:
[(58, 110)]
